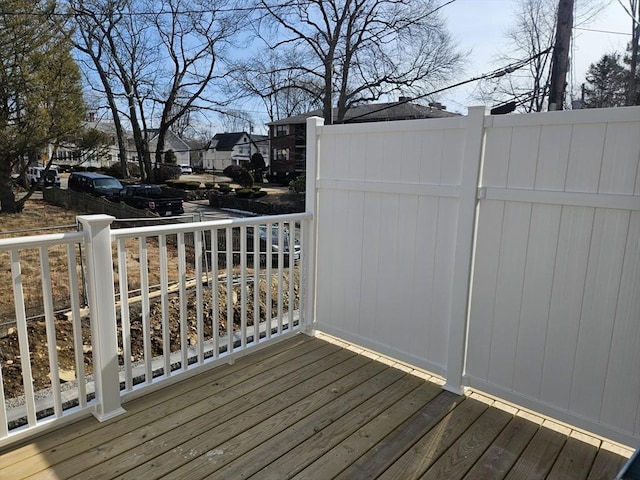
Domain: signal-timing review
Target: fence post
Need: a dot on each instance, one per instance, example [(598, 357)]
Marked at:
[(309, 234), (102, 309), (473, 147)]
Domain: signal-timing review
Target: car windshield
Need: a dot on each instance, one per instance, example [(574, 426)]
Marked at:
[(104, 183), (149, 192)]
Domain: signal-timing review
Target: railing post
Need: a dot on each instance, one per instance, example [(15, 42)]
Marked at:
[(309, 234), (473, 148), (102, 309)]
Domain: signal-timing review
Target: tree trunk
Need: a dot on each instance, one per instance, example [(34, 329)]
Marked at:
[(7, 198), (160, 146), (327, 101)]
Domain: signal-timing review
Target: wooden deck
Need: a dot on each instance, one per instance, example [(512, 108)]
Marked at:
[(309, 409)]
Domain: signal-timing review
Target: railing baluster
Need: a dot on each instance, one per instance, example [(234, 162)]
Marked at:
[(76, 322), (280, 275), (49, 318), (229, 290), (256, 284), (199, 297), (4, 424), (269, 314), (23, 337), (125, 321), (182, 281), (214, 294), (146, 309), (292, 270), (164, 300), (243, 286)]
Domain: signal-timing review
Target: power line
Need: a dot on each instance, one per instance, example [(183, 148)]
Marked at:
[(601, 31), (494, 74)]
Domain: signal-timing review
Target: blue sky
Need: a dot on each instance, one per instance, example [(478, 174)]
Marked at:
[(479, 26)]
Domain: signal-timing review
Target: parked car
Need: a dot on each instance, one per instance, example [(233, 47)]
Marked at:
[(151, 197), (185, 169), (275, 246), (50, 177), (95, 184), (262, 249)]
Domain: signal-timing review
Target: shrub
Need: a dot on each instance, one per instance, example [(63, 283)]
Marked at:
[(245, 179), (244, 192), (232, 171), (184, 184), (259, 194), (257, 166), (209, 185), (299, 184), (170, 157), (114, 170), (224, 188), (167, 172)]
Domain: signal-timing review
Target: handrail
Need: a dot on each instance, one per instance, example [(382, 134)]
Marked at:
[(197, 226), (41, 240)]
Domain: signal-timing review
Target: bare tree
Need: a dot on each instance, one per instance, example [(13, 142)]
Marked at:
[(156, 59), (96, 22), (361, 50), (274, 79), (236, 121), (532, 36)]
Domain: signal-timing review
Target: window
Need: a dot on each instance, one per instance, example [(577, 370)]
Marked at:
[(282, 130)]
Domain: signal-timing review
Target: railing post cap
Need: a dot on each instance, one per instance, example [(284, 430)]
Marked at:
[(478, 108), (315, 120), (98, 220)]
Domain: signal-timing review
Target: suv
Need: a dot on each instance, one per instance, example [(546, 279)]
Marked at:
[(95, 184), (185, 169), (50, 178)]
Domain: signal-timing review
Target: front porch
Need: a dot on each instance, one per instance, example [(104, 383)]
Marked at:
[(314, 408)]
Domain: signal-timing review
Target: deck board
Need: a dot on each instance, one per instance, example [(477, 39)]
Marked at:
[(308, 409)]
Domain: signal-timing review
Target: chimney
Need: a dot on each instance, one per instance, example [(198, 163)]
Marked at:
[(404, 99)]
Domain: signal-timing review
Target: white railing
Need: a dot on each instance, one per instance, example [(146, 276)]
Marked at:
[(45, 297), (193, 271), (162, 302)]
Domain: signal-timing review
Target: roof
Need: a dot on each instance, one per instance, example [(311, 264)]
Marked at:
[(226, 141), (376, 112), (153, 135)]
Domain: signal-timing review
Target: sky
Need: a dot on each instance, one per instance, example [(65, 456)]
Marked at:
[(479, 26)]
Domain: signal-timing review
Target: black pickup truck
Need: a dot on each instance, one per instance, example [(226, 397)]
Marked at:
[(150, 196)]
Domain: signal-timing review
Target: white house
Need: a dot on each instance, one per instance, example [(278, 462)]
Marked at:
[(233, 149), (171, 142)]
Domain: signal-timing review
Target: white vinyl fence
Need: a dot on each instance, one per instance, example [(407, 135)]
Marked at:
[(500, 252)]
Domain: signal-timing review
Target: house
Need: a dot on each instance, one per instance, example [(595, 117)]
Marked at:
[(172, 142), (233, 149), (105, 156), (287, 137)]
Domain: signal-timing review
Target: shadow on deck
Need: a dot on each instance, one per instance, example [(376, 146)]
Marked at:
[(310, 409)]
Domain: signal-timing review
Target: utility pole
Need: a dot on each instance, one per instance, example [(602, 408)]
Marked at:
[(633, 63), (560, 58)]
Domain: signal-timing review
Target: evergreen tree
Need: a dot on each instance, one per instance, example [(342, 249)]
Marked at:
[(606, 83), (41, 101)]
